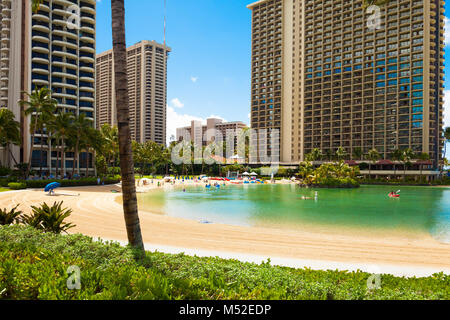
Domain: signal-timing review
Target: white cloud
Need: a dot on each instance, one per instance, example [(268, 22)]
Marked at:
[(176, 120), (194, 79), (447, 31), (216, 117), (175, 102)]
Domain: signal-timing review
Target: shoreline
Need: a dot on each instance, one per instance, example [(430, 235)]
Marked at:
[(97, 214)]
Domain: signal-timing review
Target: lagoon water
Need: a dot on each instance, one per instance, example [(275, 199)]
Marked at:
[(419, 210)]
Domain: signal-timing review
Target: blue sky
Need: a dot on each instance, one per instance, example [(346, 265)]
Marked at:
[(209, 67)]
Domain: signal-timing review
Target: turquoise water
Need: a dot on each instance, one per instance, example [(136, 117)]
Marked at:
[(419, 209)]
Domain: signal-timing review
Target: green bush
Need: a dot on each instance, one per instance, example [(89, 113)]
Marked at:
[(49, 219), (17, 185), (33, 265), (4, 171), (8, 217), (38, 184), (4, 183)]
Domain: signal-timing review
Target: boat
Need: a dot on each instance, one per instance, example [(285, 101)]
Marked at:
[(393, 195)]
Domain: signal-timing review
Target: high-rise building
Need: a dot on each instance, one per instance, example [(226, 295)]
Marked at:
[(214, 130), (52, 48), (332, 74), (147, 90)]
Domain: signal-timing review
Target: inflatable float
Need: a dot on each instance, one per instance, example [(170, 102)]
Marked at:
[(393, 195)]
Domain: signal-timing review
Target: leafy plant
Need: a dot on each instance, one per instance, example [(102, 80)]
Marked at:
[(4, 171), (17, 186), (49, 219), (8, 217), (33, 266)]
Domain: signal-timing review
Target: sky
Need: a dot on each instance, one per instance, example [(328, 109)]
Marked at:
[(209, 66)]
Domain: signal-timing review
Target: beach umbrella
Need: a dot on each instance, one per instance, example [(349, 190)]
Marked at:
[(246, 174), (253, 174), (52, 186)]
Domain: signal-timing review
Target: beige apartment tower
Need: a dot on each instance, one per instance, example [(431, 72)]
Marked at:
[(54, 48), (332, 74), (147, 90), (214, 130)]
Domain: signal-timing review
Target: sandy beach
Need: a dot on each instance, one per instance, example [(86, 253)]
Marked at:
[(97, 213)]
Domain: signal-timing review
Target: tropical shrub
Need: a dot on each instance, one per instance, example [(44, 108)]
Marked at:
[(4, 171), (33, 265), (330, 175), (8, 217), (37, 184), (17, 185), (49, 219)]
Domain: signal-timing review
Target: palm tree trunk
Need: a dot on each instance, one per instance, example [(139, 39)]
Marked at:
[(31, 148), (12, 156), (130, 207), (63, 159), (41, 150), (75, 159), (57, 157), (87, 162)]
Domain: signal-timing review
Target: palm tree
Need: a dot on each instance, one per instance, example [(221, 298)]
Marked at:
[(340, 153), (46, 117), (35, 4), (423, 156), (357, 153), (130, 207), (111, 146), (396, 155), (9, 132), (39, 104), (329, 155), (93, 140), (315, 155), (373, 156), (305, 170), (78, 132), (62, 124), (407, 155)]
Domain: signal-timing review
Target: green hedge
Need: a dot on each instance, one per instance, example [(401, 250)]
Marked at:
[(17, 186), (33, 265), (37, 184)]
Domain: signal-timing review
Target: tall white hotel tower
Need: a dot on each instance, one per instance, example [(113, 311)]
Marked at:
[(55, 48)]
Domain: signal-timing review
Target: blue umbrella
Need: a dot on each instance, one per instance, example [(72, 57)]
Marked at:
[(52, 186)]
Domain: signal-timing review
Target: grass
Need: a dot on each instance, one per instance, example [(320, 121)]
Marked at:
[(4, 189), (33, 265)]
